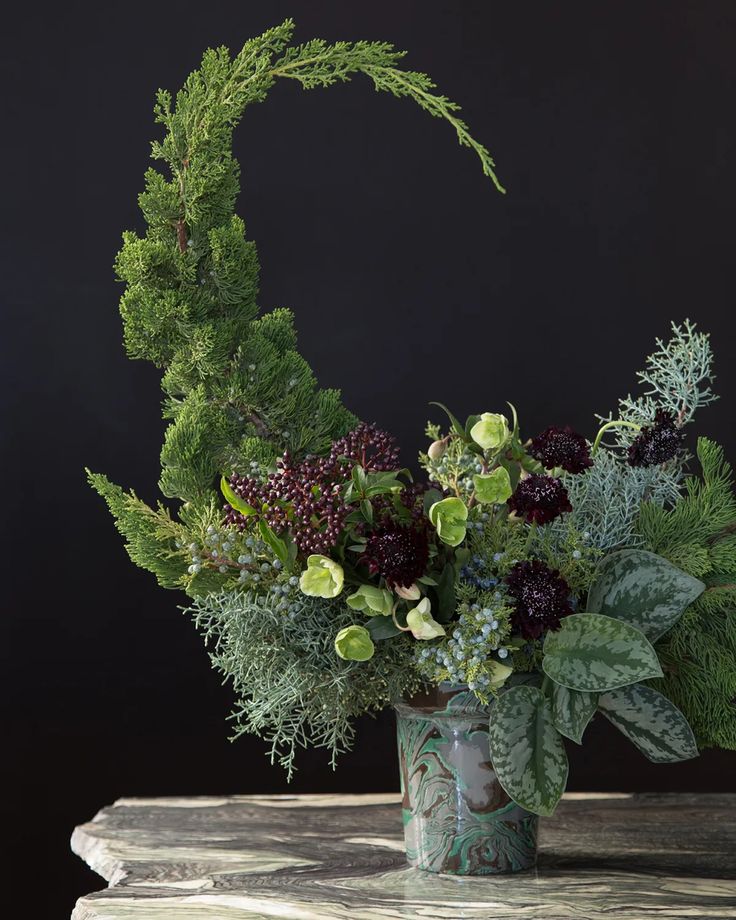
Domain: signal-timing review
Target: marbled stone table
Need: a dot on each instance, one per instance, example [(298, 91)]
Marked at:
[(321, 857)]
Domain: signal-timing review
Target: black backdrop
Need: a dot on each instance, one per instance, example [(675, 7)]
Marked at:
[(412, 279)]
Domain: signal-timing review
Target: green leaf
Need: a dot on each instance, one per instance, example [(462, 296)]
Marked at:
[(457, 427), (643, 589), (431, 497), (462, 555), (366, 509), (382, 628), (292, 550), (445, 592), (469, 422), (512, 468), (514, 419), (592, 652), (276, 544), (572, 710), (359, 478), (387, 480), (527, 751), (234, 500), (654, 724), (381, 488), (530, 464)]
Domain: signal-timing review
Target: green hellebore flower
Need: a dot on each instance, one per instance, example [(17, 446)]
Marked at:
[(493, 488), (491, 431), (420, 622), (372, 600), (449, 518), (499, 674), (322, 577), (354, 643)]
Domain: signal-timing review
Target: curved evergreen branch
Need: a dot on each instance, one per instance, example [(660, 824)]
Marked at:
[(237, 389)]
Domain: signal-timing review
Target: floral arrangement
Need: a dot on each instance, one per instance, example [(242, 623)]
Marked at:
[(555, 576)]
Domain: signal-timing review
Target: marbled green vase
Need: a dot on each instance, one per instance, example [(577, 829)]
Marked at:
[(457, 818)]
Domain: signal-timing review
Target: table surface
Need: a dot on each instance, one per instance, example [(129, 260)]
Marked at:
[(321, 857)]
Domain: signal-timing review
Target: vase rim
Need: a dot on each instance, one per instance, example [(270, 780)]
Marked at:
[(443, 700)]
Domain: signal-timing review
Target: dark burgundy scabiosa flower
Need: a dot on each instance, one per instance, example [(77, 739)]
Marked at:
[(657, 443), (562, 447), (540, 499), (541, 598), (398, 552)]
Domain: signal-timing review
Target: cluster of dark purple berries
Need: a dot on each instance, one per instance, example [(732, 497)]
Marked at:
[(305, 496), (369, 446)]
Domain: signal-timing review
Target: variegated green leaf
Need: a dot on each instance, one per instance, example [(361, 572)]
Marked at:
[(594, 653), (527, 751), (572, 710), (643, 589), (651, 721)]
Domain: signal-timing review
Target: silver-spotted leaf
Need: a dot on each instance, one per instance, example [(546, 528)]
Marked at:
[(654, 724), (527, 751), (594, 653), (643, 589), (572, 710)]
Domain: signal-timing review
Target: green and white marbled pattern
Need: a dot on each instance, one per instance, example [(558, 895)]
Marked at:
[(338, 857), (457, 817)]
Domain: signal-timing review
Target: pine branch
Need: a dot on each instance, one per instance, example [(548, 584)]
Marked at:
[(696, 534)]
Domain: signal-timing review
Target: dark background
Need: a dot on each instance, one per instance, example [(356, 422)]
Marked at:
[(412, 279)]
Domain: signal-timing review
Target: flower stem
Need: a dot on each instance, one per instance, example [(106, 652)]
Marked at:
[(396, 623), (619, 423), (531, 536)]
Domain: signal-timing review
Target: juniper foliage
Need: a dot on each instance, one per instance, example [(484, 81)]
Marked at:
[(698, 655), (677, 377), (237, 391), (606, 498), (291, 689)]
